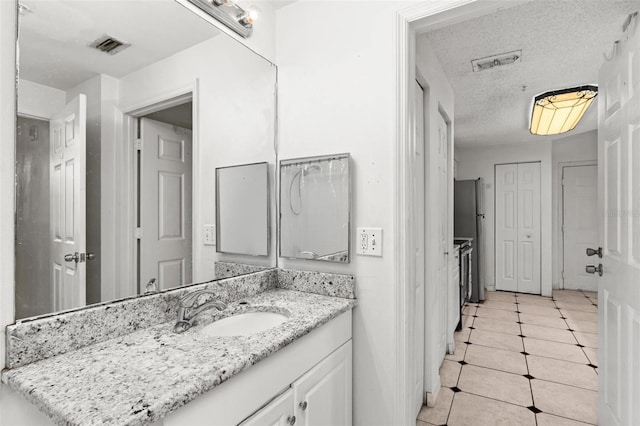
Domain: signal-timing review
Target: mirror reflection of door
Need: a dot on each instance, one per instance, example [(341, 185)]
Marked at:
[(164, 197)]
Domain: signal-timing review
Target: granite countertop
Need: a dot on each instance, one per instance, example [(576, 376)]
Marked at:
[(140, 377)]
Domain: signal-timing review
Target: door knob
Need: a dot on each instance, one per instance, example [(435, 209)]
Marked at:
[(592, 269), (72, 257), (91, 256), (303, 405), (591, 252), (291, 420)]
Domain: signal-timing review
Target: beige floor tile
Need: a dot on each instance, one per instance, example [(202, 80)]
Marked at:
[(537, 301), (466, 320), (539, 310), (449, 373), (566, 401), (421, 423), (587, 339), (587, 306), (439, 414), (591, 294), (545, 321), (568, 293), (496, 340), (584, 326), (592, 354), (574, 298), (558, 371), (462, 335), (580, 316), (505, 306), (469, 310), (501, 326), (458, 355), (495, 384), (548, 333), (498, 359), (555, 350), (500, 296), (498, 314), (472, 410), (545, 419)]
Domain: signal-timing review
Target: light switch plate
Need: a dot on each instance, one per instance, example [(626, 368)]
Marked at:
[(369, 241), (209, 235)]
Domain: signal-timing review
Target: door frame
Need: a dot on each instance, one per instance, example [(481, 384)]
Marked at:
[(409, 22), (126, 183), (559, 212)]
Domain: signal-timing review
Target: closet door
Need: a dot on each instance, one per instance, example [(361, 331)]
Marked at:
[(506, 227), (518, 227)]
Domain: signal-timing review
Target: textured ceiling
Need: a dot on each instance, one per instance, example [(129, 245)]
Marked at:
[(54, 37), (563, 43)]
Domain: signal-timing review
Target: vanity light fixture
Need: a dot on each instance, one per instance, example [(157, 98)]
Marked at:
[(559, 111), (228, 13)]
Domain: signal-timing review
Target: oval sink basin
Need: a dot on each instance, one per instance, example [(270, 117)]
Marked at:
[(244, 324)]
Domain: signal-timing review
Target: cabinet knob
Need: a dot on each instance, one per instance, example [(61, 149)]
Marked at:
[(291, 420), (303, 405)]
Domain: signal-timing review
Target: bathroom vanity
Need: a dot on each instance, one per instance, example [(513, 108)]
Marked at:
[(298, 371)]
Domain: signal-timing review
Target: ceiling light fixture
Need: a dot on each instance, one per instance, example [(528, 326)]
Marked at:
[(560, 111), (228, 13), (499, 60)]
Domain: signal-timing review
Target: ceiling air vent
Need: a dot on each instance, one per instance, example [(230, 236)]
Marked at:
[(110, 45), (489, 62)]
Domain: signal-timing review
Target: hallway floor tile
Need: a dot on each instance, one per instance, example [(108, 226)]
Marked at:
[(522, 359)]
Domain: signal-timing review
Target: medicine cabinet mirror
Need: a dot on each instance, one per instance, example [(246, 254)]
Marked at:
[(242, 209), (125, 109), (315, 208)]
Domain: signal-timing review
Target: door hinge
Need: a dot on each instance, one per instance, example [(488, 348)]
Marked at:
[(138, 233), (138, 144)]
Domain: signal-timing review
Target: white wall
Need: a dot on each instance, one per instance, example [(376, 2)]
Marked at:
[(40, 101), (336, 94), (480, 162), (440, 97), (570, 149)]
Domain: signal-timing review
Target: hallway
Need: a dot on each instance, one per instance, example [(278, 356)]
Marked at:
[(522, 360)]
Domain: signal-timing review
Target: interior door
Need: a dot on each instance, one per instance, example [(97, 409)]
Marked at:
[(67, 177), (619, 233), (419, 244), (529, 228), (506, 227), (518, 227), (165, 204), (579, 224), (444, 241)]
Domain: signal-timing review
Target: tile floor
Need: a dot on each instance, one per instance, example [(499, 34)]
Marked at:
[(522, 360)]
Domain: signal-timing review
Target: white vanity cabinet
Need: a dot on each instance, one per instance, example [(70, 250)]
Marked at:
[(322, 396)]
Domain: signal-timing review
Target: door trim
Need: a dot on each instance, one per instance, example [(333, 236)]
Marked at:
[(558, 212), (126, 188)]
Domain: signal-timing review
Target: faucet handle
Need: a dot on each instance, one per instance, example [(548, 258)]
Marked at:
[(189, 299)]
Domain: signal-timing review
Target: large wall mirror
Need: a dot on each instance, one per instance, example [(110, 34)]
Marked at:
[(125, 110)]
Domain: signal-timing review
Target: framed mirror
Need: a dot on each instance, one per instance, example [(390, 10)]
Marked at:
[(242, 209), (315, 208), (125, 109)]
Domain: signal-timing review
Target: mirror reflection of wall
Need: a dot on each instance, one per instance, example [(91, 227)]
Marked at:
[(242, 203), (315, 208), (124, 217)]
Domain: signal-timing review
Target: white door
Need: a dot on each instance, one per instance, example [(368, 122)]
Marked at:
[(419, 242), (165, 204), (67, 177), (279, 412), (579, 224), (323, 395), (444, 213), (619, 233), (517, 227)]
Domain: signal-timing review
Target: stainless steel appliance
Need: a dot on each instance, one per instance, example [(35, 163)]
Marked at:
[(469, 223), (465, 247)]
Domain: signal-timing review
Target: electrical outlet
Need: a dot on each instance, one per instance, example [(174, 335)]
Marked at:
[(369, 241), (209, 235)]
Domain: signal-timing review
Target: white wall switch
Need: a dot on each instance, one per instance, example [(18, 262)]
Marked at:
[(209, 235), (369, 241)]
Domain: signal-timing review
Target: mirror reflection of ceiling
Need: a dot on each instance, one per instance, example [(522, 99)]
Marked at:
[(55, 36), (563, 45)]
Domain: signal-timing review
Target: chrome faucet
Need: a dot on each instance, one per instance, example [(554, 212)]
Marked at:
[(188, 311)]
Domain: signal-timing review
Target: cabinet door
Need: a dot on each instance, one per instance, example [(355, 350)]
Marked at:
[(279, 412), (323, 395)]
